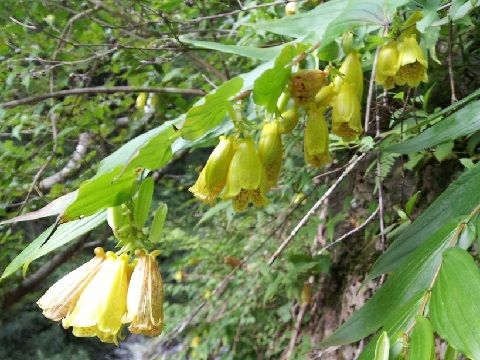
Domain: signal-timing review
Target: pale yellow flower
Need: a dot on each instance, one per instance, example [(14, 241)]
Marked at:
[(246, 180), (346, 115), (388, 65), (413, 64), (103, 302), (62, 296), (270, 150), (145, 297), (214, 174), (315, 142)]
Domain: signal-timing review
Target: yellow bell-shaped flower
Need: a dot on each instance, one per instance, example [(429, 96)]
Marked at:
[(387, 65), (270, 150), (213, 176), (351, 70), (315, 142), (305, 84), (413, 65), (103, 302), (246, 180), (145, 297), (346, 115), (62, 296), (288, 120)]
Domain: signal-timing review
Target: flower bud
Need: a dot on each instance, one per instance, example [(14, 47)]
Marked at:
[(288, 120), (387, 65), (290, 8), (306, 295), (141, 101), (213, 177), (413, 65), (246, 180), (346, 116), (305, 84), (325, 96), (352, 72), (315, 142), (270, 150)]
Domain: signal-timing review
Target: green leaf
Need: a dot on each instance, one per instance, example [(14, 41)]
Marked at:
[(312, 23), (269, 86), (450, 354), (443, 150), (462, 122), (158, 222), (142, 202), (248, 51), (422, 345), (454, 305), (206, 116), (400, 288), (460, 198), (410, 205), (64, 234), (109, 189), (401, 319), (382, 350), (150, 150)]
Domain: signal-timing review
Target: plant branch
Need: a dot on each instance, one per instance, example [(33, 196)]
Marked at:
[(351, 165), (99, 90)]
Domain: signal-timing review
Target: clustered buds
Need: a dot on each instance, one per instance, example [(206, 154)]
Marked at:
[(101, 296)]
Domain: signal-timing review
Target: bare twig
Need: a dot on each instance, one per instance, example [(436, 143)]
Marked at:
[(370, 91), (453, 96), (99, 90), (73, 164), (296, 331), (351, 165), (351, 232)]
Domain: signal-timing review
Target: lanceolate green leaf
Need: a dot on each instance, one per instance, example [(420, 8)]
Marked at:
[(463, 122), (454, 305), (460, 198), (206, 116), (100, 192), (62, 236), (400, 320), (422, 346), (248, 51), (405, 284), (138, 151), (268, 86), (142, 202)]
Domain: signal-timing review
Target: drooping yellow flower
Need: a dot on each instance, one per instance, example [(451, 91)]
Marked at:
[(315, 142), (246, 180), (387, 65), (413, 65), (351, 70), (145, 297), (103, 302), (270, 150), (62, 296), (305, 84), (288, 120), (213, 177), (346, 116)]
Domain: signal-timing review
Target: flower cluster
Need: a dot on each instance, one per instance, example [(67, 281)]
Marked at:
[(402, 61), (239, 170), (107, 292)]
